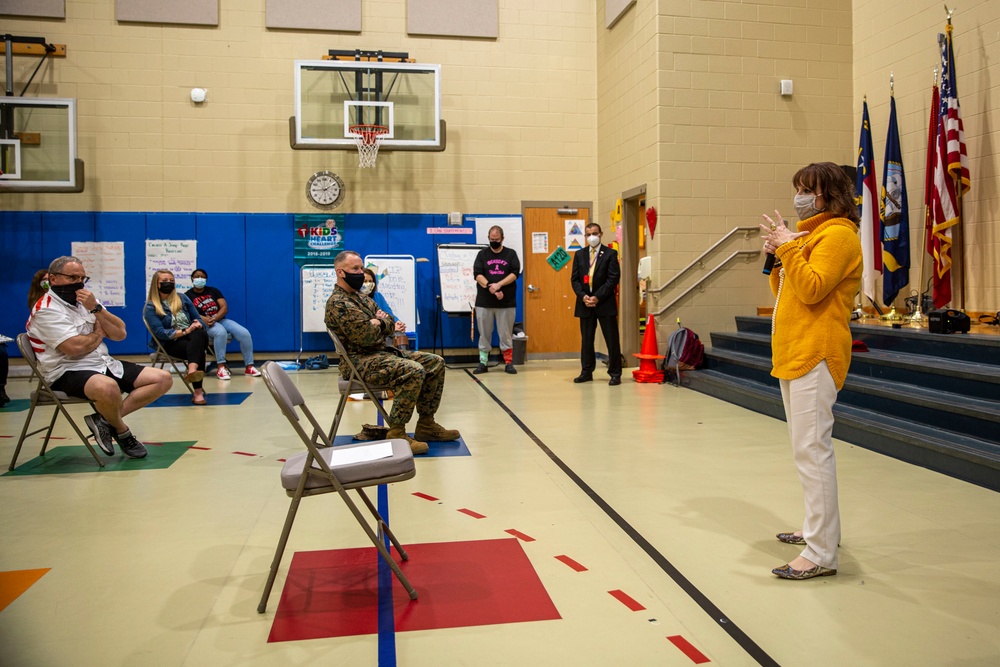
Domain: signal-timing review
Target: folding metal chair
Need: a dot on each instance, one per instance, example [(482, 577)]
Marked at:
[(354, 384), (317, 471), (45, 395), (161, 357)]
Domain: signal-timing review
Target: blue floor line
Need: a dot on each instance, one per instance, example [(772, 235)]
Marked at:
[(386, 622)]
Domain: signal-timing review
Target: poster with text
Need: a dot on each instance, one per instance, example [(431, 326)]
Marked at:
[(318, 238), (104, 262), (178, 257)]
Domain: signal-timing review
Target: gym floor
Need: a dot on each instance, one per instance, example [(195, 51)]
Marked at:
[(585, 524)]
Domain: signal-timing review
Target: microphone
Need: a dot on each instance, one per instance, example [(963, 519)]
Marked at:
[(768, 264)]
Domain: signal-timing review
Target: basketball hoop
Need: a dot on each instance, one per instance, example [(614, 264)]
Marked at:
[(368, 138)]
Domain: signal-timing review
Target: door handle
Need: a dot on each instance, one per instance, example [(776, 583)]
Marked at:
[(532, 288)]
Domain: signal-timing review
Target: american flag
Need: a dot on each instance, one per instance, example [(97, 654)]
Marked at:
[(951, 171)]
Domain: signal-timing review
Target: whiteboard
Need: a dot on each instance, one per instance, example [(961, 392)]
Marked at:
[(397, 283), (458, 283), (512, 234), (317, 286)]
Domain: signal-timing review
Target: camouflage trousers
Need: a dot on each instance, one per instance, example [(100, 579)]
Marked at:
[(416, 379)]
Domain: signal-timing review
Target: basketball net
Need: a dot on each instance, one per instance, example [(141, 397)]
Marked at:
[(367, 138)]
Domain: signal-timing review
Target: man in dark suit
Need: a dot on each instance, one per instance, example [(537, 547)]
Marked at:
[(595, 276)]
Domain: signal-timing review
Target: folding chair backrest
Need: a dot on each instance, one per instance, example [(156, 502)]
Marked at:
[(288, 397), (28, 352), (355, 376)]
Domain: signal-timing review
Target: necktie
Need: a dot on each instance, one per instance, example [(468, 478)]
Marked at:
[(593, 262)]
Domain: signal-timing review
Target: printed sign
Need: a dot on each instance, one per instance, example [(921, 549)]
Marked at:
[(559, 258), (318, 238)]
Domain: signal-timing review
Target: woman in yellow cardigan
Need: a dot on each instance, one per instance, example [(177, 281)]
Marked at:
[(817, 274)]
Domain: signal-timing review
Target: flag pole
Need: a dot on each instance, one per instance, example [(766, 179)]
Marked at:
[(918, 314)]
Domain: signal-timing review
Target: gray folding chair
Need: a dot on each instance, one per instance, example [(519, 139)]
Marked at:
[(161, 357), (354, 384), (43, 395), (310, 473)]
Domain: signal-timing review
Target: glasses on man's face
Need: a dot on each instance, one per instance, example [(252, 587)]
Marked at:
[(74, 278)]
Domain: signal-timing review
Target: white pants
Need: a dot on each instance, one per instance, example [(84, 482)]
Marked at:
[(809, 412)]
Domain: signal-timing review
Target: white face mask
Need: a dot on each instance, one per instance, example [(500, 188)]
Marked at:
[(805, 206), (594, 240), (367, 288)]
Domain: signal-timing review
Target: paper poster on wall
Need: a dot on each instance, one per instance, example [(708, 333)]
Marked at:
[(397, 283), (317, 283), (574, 235), (105, 264), (318, 238), (539, 242), (178, 257), (512, 235)]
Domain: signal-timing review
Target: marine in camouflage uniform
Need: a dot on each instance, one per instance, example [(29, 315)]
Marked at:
[(416, 378)]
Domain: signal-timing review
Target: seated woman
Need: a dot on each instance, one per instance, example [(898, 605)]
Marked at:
[(370, 288), (38, 287), (174, 321), (212, 307)]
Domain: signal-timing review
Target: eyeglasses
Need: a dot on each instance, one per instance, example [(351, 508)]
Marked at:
[(76, 279)]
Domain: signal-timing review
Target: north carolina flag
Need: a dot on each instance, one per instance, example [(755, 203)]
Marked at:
[(895, 215), (867, 201)]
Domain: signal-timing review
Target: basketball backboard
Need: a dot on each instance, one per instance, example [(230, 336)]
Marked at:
[(38, 145), (331, 96)]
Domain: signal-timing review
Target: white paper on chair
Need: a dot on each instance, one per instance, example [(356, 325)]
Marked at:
[(373, 452)]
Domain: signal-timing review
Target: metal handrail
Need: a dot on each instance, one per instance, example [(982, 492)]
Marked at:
[(748, 254), (700, 259)]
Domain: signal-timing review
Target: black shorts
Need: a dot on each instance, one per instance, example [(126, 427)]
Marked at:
[(73, 382)]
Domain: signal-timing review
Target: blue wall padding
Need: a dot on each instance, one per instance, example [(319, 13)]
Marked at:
[(247, 256)]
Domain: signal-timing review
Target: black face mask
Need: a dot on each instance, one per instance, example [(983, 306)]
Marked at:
[(496, 245), (66, 292), (354, 280), (166, 288)]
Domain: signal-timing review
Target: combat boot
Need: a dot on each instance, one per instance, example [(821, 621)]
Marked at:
[(416, 446), (428, 429)]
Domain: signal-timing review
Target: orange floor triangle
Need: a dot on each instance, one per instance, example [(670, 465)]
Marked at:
[(13, 583)]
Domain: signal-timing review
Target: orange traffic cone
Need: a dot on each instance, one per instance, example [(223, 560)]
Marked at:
[(647, 365)]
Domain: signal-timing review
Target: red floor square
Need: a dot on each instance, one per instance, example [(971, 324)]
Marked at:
[(335, 593)]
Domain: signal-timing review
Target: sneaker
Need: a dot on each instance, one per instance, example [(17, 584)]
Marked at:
[(223, 373), (131, 447), (480, 369), (252, 372), (509, 368), (103, 433)]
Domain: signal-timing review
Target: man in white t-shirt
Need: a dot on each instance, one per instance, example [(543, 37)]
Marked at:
[(67, 329)]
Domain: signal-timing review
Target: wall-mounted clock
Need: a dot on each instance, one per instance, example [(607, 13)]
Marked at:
[(325, 190)]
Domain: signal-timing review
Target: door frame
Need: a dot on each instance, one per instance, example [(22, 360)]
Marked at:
[(629, 290), (556, 204)]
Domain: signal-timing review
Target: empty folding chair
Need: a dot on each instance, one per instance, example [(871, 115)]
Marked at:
[(43, 395), (317, 471)]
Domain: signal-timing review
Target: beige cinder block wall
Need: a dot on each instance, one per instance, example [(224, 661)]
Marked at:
[(717, 144), (521, 112), (900, 37)]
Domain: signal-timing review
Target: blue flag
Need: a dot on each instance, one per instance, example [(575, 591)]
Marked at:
[(895, 216)]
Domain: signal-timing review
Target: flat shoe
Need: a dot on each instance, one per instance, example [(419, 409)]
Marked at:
[(195, 401), (788, 572), (196, 376), (791, 538)]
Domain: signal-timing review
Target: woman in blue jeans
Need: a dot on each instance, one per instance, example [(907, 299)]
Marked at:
[(212, 307)]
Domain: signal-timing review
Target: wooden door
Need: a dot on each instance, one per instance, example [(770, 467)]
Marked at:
[(549, 300)]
